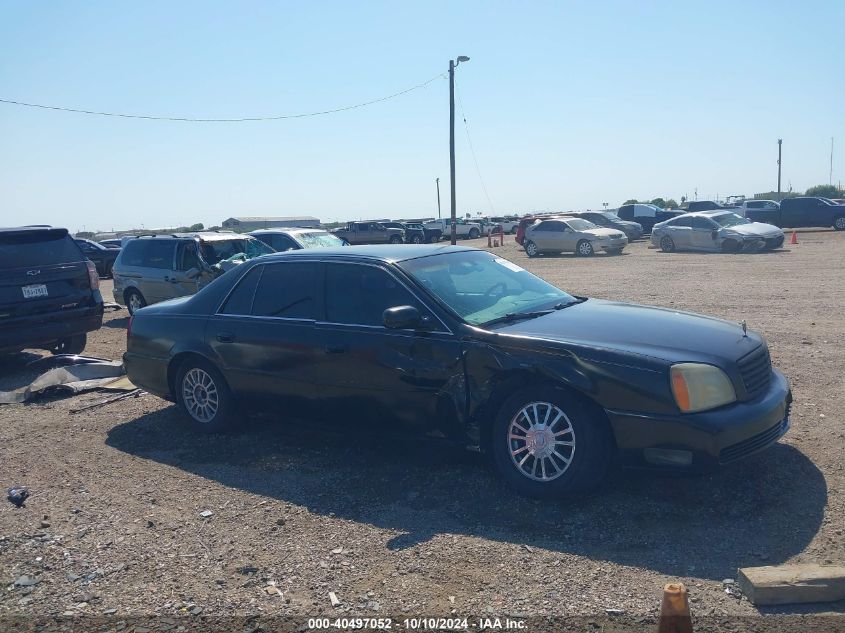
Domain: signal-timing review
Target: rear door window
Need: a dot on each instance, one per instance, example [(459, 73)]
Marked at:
[(287, 291), (37, 248), (702, 223)]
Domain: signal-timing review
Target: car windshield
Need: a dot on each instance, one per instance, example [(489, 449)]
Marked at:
[(729, 219), (215, 251), (480, 287), (579, 224), (319, 239)]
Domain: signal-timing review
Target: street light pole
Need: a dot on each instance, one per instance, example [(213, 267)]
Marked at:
[(437, 180), (452, 65), (780, 143)]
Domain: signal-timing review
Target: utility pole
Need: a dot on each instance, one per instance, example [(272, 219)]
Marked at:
[(780, 143), (830, 182), (452, 65), (437, 180)]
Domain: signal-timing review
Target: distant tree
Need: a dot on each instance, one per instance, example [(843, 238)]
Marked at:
[(683, 199), (631, 201), (823, 191), (197, 227), (215, 228), (671, 203), (659, 202)]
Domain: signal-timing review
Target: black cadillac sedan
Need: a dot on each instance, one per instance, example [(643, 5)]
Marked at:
[(552, 386)]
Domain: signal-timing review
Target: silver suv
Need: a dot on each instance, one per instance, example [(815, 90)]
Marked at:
[(155, 268)]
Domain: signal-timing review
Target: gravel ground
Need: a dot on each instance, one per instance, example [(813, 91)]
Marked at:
[(132, 513)]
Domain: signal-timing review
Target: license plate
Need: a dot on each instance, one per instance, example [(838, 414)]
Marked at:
[(36, 290)]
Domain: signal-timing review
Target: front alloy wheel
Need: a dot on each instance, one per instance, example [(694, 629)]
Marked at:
[(531, 249), (666, 244), (549, 442), (541, 441), (585, 248), (416, 239), (839, 223)]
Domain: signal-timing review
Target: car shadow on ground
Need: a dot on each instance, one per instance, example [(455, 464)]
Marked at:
[(759, 512), (119, 324)]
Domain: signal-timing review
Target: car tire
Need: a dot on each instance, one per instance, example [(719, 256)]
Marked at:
[(524, 443), (416, 239), (72, 345), (584, 249), (204, 397), (839, 223), (513, 231), (395, 239), (473, 234), (531, 249), (667, 244), (134, 301)]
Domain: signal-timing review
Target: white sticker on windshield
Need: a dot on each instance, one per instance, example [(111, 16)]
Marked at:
[(509, 265)]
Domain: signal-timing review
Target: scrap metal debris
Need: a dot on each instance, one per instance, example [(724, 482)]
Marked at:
[(62, 360), (135, 393), (75, 379), (18, 495)]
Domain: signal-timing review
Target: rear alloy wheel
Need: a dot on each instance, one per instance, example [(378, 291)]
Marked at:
[(72, 345), (667, 245), (839, 223), (531, 249), (473, 234), (585, 249), (134, 301), (549, 443), (203, 395)]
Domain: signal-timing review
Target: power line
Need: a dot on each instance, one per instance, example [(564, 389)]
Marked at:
[(472, 151), (236, 120)]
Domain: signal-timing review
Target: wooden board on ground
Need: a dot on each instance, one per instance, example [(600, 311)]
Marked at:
[(792, 584)]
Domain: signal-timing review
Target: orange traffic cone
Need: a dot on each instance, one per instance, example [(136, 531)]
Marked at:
[(794, 238), (674, 610)]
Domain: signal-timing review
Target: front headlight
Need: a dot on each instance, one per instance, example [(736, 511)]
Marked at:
[(698, 387)]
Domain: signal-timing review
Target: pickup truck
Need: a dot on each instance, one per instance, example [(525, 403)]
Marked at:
[(463, 229), (370, 233), (799, 212)]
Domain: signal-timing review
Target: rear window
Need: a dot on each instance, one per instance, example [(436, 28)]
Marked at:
[(38, 248)]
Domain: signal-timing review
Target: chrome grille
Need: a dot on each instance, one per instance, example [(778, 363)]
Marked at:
[(756, 371)]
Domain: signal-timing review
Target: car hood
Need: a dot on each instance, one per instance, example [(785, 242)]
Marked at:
[(755, 228), (603, 232), (670, 335)]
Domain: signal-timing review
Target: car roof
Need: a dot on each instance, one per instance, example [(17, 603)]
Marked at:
[(207, 236), (289, 230), (380, 252), (33, 228)]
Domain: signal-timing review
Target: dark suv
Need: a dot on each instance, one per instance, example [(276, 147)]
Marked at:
[(49, 293)]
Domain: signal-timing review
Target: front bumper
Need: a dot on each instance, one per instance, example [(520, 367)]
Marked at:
[(711, 438), (610, 245)]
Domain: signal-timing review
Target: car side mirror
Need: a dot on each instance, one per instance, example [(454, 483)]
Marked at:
[(192, 273), (402, 318)]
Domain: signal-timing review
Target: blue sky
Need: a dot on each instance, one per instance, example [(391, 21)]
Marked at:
[(569, 105)]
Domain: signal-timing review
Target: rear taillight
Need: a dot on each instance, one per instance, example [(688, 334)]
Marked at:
[(128, 330), (93, 277)]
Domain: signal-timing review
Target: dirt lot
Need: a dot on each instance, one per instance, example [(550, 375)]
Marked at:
[(396, 526)]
